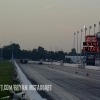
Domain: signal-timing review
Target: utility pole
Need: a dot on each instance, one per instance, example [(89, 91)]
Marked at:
[(94, 28), (12, 53), (77, 45), (89, 29), (84, 50), (80, 42), (74, 47)]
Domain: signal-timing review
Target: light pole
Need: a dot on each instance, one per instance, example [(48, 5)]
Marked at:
[(94, 28), (12, 53), (85, 40), (89, 29), (74, 47), (80, 42), (85, 31), (77, 45)]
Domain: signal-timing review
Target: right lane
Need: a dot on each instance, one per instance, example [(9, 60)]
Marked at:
[(65, 85), (92, 73)]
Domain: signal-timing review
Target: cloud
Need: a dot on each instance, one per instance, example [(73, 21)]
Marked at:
[(48, 6)]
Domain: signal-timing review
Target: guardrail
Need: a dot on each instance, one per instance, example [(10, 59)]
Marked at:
[(30, 94)]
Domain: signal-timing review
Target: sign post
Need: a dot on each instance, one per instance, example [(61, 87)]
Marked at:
[(98, 39)]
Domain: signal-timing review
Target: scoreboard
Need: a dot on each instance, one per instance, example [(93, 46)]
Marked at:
[(91, 45), (91, 48)]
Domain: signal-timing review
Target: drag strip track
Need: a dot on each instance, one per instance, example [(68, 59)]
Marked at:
[(66, 84)]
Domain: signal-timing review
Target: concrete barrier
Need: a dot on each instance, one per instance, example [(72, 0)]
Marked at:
[(81, 66), (30, 95), (93, 67), (71, 65), (74, 65)]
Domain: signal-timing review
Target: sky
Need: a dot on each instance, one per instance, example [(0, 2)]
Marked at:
[(47, 23)]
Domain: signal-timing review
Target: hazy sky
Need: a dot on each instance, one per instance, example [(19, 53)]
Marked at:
[(46, 23)]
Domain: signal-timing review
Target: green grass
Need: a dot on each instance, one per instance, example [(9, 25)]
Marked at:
[(5, 77)]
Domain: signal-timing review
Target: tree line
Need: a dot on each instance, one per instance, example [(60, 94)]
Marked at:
[(35, 54)]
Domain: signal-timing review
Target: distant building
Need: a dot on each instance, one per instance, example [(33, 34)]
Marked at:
[(75, 59), (97, 60)]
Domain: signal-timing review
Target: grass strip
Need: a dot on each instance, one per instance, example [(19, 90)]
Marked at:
[(5, 77)]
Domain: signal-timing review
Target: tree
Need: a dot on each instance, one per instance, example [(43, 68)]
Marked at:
[(73, 51), (41, 53), (7, 51), (34, 54), (61, 55), (51, 55), (16, 50)]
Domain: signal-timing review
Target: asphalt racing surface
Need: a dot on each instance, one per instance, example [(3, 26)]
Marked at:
[(68, 83)]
